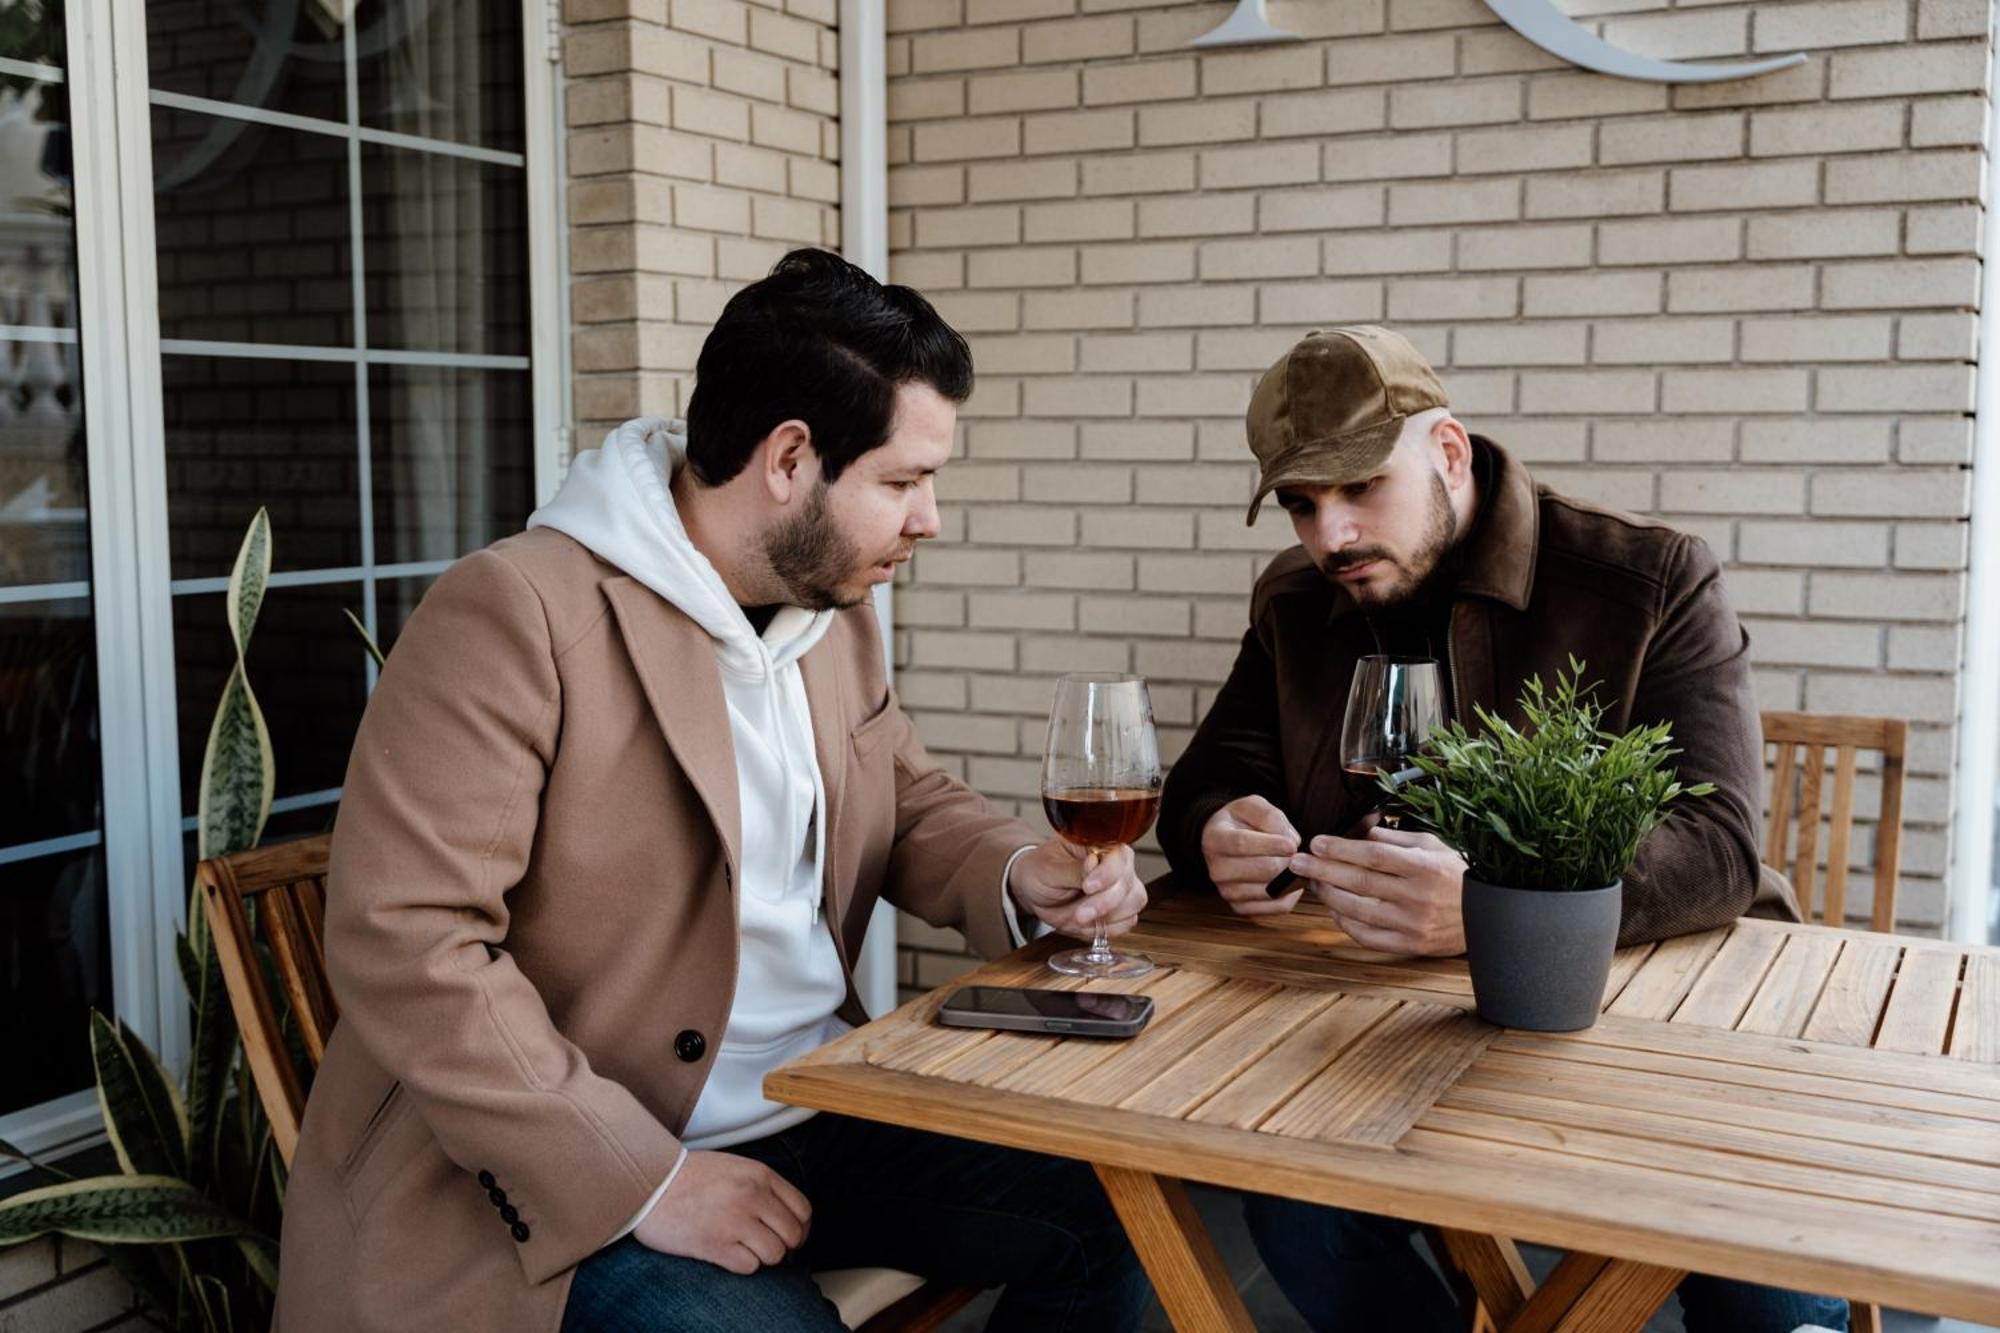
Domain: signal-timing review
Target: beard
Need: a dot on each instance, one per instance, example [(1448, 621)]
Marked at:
[(814, 560), (1415, 569)]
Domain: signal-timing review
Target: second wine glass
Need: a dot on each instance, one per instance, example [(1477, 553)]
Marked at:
[(1101, 789), (1393, 706)]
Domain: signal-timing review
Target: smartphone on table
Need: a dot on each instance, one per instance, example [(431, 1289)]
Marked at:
[(1069, 1013)]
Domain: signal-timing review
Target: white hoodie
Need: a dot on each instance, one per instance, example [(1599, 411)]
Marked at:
[(616, 501)]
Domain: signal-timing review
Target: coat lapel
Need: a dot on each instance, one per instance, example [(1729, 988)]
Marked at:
[(832, 744), (821, 673), (678, 672)]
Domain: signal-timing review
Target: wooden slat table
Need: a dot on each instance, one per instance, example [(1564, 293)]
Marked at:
[(1812, 1108)]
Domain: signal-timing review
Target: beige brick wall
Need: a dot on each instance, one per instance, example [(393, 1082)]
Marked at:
[(60, 1285), (703, 142), (1749, 308)]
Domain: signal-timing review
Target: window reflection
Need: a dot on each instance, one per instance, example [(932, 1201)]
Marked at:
[(442, 69), (55, 966), (445, 249), (244, 432), (251, 222), (280, 55), (48, 722), (450, 472), (44, 532), (31, 30)]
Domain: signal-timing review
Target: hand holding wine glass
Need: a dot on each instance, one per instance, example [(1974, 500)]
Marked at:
[(1388, 889), (1101, 791), (1393, 706)]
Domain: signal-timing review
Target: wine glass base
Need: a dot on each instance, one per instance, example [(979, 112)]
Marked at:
[(1078, 963)]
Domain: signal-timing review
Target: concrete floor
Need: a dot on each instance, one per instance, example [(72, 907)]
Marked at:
[(1273, 1314)]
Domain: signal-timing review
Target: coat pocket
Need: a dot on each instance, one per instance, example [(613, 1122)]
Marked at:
[(392, 1134), (876, 730)]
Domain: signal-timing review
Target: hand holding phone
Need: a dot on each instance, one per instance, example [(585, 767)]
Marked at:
[(1287, 880), (1066, 1013)]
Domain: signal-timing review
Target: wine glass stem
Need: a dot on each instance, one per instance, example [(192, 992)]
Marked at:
[(1100, 954)]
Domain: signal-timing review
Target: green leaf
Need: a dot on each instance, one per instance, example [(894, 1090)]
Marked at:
[(367, 639), (116, 1210), (142, 1110), (211, 1052), (248, 579), (1558, 803), (262, 1256), (238, 772)]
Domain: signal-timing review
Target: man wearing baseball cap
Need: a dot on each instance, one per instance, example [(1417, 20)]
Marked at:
[(1419, 539)]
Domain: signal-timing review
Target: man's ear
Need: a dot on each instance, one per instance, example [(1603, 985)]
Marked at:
[(788, 464), (1454, 448)]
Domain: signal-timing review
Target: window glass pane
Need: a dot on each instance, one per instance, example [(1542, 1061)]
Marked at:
[(244, 432), (277, 56), (55, 966), (252, 229), (44, 533), (306, 667), (31, 30), (445, 246), (451, 466), (442, 69), (44, 519), (48, 722), (395, 600)]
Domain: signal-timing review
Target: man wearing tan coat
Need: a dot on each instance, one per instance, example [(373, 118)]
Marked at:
[(613, 827)]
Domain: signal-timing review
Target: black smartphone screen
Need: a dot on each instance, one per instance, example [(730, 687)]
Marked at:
[(1063, 1004)]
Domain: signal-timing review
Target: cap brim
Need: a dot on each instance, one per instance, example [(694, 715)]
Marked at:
[(1330, 462)]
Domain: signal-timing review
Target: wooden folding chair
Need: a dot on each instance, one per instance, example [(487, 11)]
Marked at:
[(1792, 825), (283, 887)]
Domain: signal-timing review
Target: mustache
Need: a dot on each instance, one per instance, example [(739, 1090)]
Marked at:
[(1346, 560)]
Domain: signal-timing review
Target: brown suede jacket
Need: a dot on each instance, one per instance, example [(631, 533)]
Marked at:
[(1540, 578)]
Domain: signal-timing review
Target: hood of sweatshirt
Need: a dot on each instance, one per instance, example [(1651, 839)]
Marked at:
[(618, 501)]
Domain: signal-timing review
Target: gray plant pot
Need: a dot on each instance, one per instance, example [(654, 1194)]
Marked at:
[(1540, 957)]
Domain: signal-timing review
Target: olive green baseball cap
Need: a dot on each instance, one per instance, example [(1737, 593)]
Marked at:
[(1331, 408)]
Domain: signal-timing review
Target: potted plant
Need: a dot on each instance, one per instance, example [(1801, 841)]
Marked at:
[(1548, 818)]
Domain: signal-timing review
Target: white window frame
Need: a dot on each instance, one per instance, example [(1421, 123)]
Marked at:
[(125, 434)]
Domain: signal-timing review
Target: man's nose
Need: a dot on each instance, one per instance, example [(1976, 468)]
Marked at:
[(923, 518), (1337, 528)]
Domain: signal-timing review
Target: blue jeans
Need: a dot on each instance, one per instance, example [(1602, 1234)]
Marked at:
[(1349, 1272), (964, 1213)]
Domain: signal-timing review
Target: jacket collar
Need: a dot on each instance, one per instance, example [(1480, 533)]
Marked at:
[(1499, 559)]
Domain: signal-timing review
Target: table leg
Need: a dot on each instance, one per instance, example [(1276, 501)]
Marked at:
[(1491, 1266), (1175, 1247), (1590, 1294)]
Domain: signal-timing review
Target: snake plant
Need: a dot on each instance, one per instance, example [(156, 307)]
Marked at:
[(190, 1218)]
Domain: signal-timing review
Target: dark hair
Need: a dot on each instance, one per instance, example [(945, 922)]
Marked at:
[(820, 341)]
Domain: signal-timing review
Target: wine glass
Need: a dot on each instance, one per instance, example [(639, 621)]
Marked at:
[(1101, 789), (1393, 706)]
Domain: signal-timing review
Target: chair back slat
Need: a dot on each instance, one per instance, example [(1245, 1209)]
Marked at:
[(1840, 829), (1791, 833), (1781, 805), (1805, 857), (283, 888), (1889, 828)]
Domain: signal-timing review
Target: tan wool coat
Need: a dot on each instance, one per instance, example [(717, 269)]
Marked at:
[(531, 929)]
